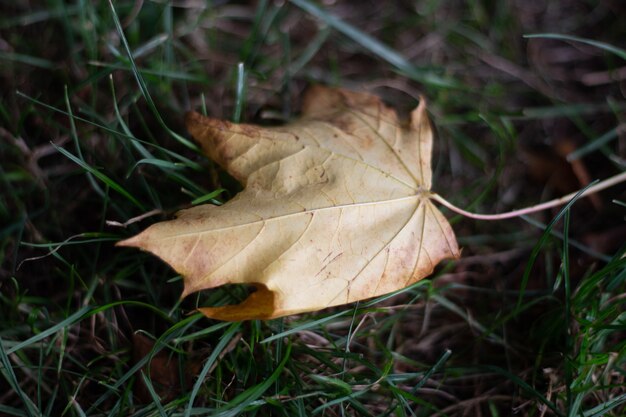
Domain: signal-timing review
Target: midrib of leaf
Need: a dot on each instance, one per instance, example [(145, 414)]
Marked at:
[(418, 193), (423, 195), (422, 202)]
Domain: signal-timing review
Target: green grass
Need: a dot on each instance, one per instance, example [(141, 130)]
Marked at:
[(531, 321)]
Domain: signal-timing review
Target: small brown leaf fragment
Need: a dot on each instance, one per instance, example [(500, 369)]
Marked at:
[(336, 208), (162, 371), (565, 147)]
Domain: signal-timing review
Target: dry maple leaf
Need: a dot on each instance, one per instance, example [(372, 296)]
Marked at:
[(336, 208)]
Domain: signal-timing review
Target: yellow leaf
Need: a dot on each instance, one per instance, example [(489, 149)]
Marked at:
[(336, 208)]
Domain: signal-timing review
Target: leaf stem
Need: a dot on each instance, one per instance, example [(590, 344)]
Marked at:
[(609, 182)]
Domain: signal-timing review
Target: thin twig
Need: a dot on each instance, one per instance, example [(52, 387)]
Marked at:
[(609, 182), (134, 219)]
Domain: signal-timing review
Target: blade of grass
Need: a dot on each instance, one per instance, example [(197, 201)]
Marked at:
[(78, 408), (567, 319), (239, 92), (49, 107), (166, 166), (376, 47), (572, 242), (74, 135), (173, 75), (175, 155), (539, 245), (595, 144), (155, 397), (27, 59), (601, 45), (440, 362), (200, 333), (11, 411), (108, 181), (305, 326), (604, 408), (157, 163), (567, 110), (526, 387), (38, 16), (77, 316), (337, 401), (244, 400), (209, 197), (258, 32), (51, 401), (11, 378), (154, 309), (142, 85), (311, 50), (485, 332), (208, 364), (577, 400), (161, 343)]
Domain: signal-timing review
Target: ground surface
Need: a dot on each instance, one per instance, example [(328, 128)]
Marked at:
[(526, 323)]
